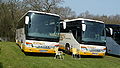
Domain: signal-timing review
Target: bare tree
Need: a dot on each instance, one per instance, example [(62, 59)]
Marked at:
[(49, 5), (86, 14), (33, 4), (8, 19), (64, 12), (42, 5)]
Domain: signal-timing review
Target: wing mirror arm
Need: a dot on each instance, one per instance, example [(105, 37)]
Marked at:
[(64, 25)]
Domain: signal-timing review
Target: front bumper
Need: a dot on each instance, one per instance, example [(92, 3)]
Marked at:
[(92, 53), (38, 50)]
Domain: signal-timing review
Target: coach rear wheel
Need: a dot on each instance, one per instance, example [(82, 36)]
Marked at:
[(67, 48)]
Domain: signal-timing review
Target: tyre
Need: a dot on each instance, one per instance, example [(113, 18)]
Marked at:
[(67, 48)]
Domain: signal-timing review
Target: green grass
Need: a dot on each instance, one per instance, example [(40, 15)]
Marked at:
[(12, 57)]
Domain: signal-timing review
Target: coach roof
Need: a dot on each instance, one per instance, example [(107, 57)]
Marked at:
[(83, 20), (43, 13)]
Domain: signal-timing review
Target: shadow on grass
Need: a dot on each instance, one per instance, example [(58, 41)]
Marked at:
[(39, 54), (88, 56), (118, 56), (1, 65)]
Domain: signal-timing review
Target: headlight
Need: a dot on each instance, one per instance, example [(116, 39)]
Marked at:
[(104, 50), (83, 49), (29, 44)]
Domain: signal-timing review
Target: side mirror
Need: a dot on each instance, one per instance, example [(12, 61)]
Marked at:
[(26, 19), (64, 25), (111, 31), (83, 27)]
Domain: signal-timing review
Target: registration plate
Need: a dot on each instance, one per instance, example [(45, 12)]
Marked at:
[(43, 50), (95, 53)]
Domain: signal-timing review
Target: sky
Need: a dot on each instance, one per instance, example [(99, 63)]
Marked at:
[(96, 7)]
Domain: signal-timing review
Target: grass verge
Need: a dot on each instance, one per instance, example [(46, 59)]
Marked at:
[(12, 57)]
